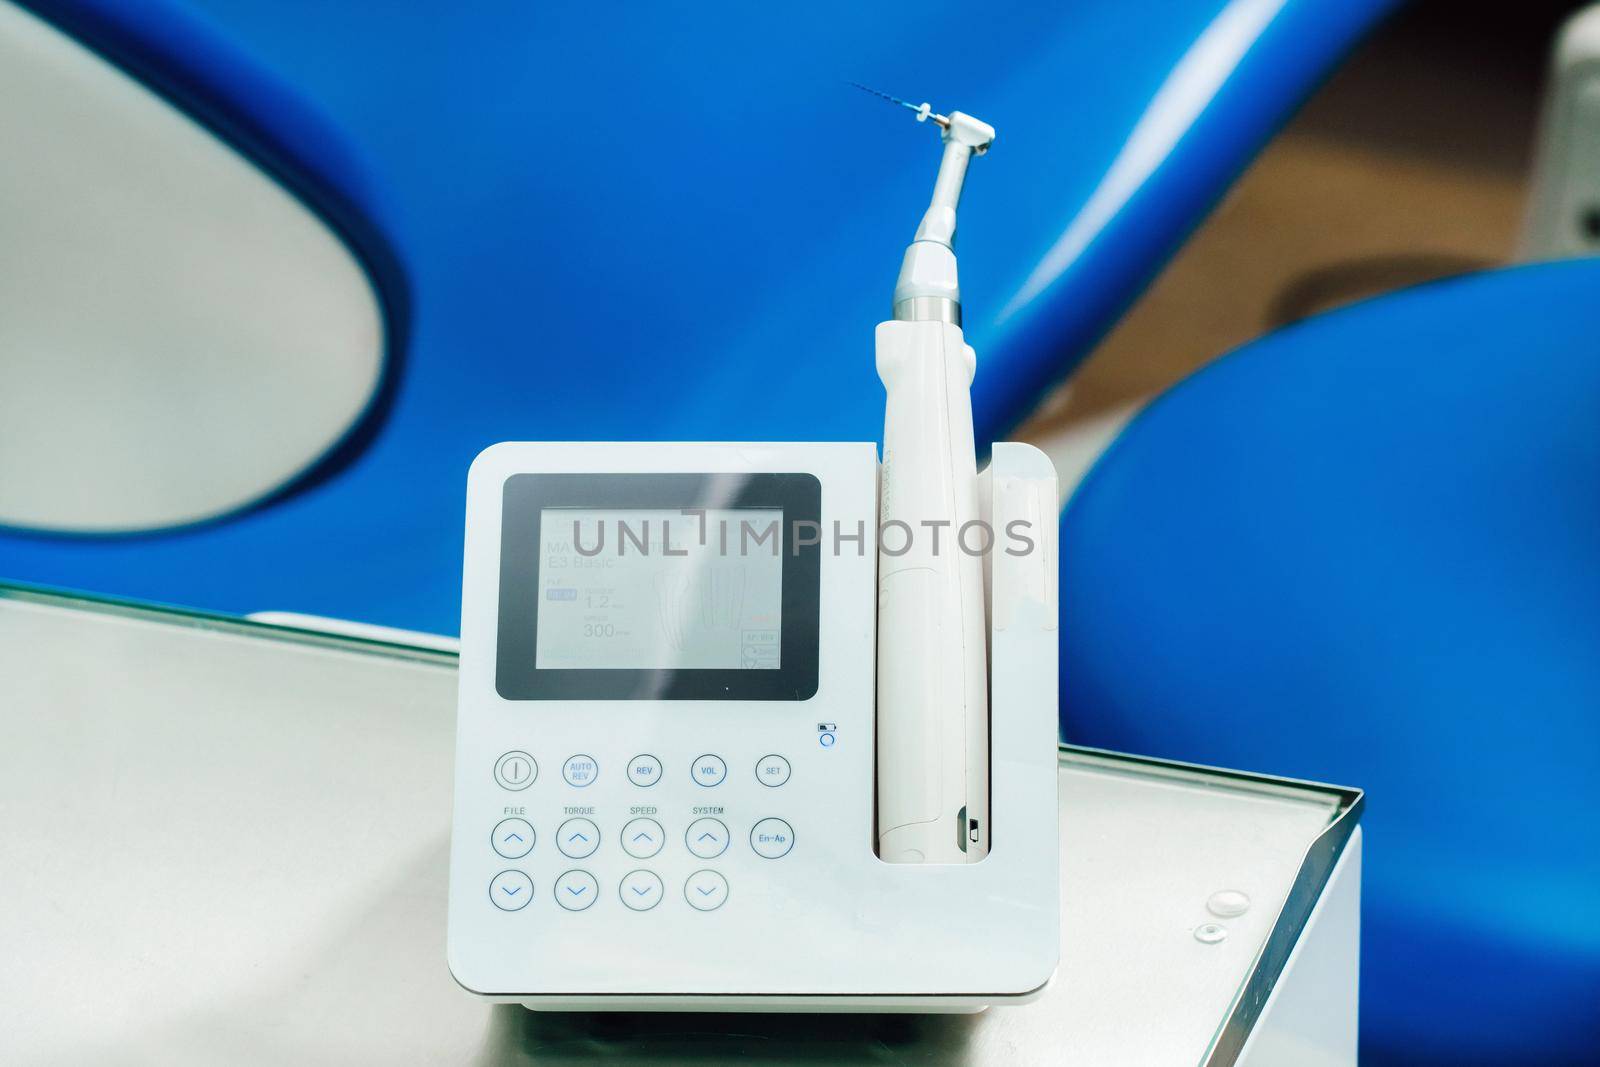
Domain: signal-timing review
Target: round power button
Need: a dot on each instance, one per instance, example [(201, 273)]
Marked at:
[(515, 770)]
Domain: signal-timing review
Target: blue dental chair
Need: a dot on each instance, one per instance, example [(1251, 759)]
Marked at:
[(1367, 548), (585, 227)]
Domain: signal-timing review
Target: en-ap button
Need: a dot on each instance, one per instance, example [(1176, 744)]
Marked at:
[(772, 838)]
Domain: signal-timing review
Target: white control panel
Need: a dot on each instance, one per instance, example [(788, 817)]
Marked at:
[(665, 754)]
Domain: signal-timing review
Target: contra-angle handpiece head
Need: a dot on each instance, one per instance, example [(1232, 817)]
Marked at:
[(927, 287)]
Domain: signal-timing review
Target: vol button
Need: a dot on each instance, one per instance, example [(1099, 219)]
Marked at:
[(708, 770), (515, 770)]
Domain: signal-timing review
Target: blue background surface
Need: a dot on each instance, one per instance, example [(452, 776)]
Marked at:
[(641, 223), (1367, 549)]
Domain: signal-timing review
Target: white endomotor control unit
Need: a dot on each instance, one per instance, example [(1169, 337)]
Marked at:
[(683, 689)]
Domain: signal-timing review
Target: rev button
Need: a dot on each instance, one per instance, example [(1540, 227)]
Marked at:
[(644, 771)]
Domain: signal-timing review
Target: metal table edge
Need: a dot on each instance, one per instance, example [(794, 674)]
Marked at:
[(1316, 868)]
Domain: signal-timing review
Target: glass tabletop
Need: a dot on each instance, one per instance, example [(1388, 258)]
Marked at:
[(227, 841)]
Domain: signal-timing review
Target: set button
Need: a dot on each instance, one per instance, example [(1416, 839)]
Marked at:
[(709, 770), (580, 770), (772, 771), (707, 838), (640, 890), (644, 771), (705, 890), (578, 838), (512, 838), (576, 890), (643, 838), (511, 890), (772, 838), (515, 770)]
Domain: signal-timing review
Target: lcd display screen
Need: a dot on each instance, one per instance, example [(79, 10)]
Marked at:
[(660, 589), (675, 585)]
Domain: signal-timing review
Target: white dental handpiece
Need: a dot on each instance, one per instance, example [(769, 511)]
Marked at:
[(933, 721)]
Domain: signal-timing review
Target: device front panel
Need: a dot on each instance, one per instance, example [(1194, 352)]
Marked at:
[(664, 766)]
